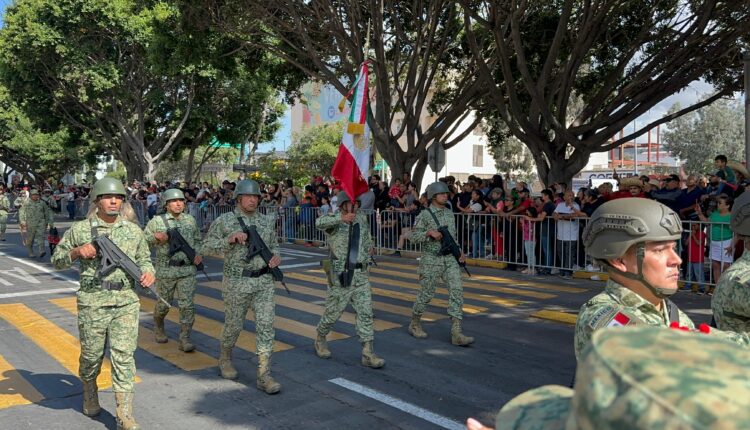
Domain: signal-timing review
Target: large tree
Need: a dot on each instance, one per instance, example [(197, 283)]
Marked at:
[(699, 136), (621, 56), (424, 86)]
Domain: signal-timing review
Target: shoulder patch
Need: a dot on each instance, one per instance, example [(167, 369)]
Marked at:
[(603, 316)]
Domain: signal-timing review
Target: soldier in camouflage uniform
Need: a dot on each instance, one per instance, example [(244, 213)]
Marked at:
[(433, 266), (108, 308), (642, 378), (635, 239), (176, 273), (731, 301), (34, 217), (4, 208), (246, 284), (337, 227)]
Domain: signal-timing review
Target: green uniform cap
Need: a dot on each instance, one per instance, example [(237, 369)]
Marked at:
[(108, 185), (34, 192), (172, 194), (436, 188), (247, 186)]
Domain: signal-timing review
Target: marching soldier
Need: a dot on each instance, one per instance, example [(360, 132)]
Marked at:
[(108, 306), (176, 272), (351, 246), (636, 240), (4, 208), (433, 265), (246, 284), (34, 217)]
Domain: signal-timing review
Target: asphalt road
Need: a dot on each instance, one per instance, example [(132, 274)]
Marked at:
[(521, 324)]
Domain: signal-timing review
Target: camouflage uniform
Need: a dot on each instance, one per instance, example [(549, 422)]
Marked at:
[(609, 307), (170, 277), (433, 267), (36, 215), (104, 313), (731, 301), (4, 208), (643, 378)]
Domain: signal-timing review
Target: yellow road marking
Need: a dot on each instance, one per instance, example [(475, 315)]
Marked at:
[(56, 342), (469, 309), (209, 327), (15, 389), (168, 351), (503, 280), (467, 284), (559, 316), (280, 323)]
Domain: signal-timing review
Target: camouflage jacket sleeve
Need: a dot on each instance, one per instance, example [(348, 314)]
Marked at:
[(422, 225), (154, 226), (328, 223), (367, 242), (197, 236), (22, 214), (4, 203), (272, 241), (216, 243), (48, 215), (61, 257), (142, 255)]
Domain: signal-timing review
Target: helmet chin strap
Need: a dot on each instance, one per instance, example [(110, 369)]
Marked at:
[(640, 253)]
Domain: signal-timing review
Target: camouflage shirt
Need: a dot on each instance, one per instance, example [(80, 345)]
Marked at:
[(338, 240), (615, 306), (188, 228), (128, 237), (4, 204), (731, 301), (217, 244), (425, 223), (35, 213)]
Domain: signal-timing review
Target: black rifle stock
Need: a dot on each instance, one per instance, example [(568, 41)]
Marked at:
[(256, 246), (347, 276), (113, 258), (448, 245), (178, 243)]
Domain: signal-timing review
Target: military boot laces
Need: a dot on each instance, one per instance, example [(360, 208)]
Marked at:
[(159, 334), (265, 381), (369, 359), (125, 420), (91, 406), (226, 369), (415, 327), (458, 338), (185, 344), (321, 347)]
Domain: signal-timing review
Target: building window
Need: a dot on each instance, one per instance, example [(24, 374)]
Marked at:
[(478, 156)]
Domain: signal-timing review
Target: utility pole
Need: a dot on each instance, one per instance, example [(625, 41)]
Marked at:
[(746, 61)]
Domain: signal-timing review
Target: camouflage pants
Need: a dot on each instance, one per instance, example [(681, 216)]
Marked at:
[(3, 225), (361, 299), (236, 305), (120, 325), (185, 288), (35, 237), (429, 275)]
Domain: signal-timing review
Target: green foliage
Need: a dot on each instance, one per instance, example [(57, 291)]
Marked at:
[(698, 137), (314, 149), (175, 168), (509, 153)]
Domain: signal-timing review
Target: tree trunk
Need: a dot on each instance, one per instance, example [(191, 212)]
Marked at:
[(190, 164), (558, 169), (418, 174)]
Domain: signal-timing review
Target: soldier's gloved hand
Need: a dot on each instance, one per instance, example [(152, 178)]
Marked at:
[(197, 260), (161, 236), (238, 237), (147, 279), (86, 251), (348, 217), (275, 261)]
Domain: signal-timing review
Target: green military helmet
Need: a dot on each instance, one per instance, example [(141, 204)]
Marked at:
[(247, 186), (739, 221), (342, 198), (172, 194), (33, 192), (107, 185), (619, 224), (436, 188)]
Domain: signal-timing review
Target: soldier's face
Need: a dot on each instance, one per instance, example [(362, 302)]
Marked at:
[(441, 198), (248, 203), (176, 206), (347, 207), (661, 264), (35, 197), (110, 203)]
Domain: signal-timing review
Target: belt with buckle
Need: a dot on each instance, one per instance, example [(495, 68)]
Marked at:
[(112, 286), (178, 263), (256, 273)]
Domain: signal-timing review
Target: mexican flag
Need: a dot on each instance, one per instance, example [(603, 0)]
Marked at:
[(353, 160)]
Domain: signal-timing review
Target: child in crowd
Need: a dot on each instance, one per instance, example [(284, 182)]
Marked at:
[(722, 238), (529, 239), (696, 250)]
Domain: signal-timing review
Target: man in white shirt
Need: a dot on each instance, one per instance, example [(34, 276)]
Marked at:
[(567, 233), (152, 201)]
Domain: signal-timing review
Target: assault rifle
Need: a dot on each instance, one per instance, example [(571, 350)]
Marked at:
[(256, 246), (113, 258), (352, 255), (177, 243), (448, 245)]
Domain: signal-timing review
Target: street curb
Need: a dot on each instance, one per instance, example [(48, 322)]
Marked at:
[(582, 274)]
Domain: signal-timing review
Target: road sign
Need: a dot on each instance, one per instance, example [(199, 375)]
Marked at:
[(436, 157), (244, 168)]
